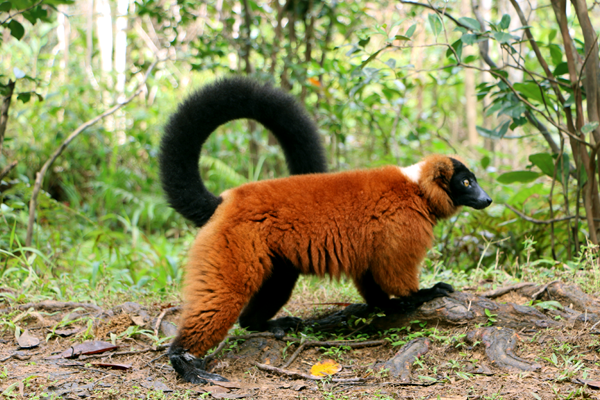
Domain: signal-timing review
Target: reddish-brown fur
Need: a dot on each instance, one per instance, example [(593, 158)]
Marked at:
[(338, 223)]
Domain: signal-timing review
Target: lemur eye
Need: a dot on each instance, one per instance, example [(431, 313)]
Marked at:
[(466, 183)]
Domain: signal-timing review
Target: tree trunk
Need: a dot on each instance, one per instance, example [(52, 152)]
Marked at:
[(120, 66)]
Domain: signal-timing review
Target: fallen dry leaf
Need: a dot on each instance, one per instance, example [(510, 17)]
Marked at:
[(92, 347), (27, 341), (228, 385), (113, 366), (325, 367), (66, 332), (592, 384)]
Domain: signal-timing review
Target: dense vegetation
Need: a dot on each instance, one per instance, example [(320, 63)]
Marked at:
[(510, 89)]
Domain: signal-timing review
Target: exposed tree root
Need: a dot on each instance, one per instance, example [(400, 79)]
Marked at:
[(400, 365), (499, 348)]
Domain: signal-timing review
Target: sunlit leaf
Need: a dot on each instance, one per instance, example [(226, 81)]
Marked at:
[(544, 162), (435, 23), (505, 22), (325, 367), (590, 126), (518, 176), (411, 30), (16, 29), (470, 23)]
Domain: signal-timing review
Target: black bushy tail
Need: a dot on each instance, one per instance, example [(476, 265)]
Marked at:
[(215, 104)]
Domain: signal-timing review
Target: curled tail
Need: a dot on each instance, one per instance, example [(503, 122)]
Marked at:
[(215, 104)]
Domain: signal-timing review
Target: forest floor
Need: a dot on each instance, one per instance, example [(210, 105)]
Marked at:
[(471, 345)]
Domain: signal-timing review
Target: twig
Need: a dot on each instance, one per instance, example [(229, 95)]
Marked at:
[(437, 10), (21, 12), (119, 353), (299, 375), (354, 345), (154, 359), (50, 305), (219, 348), (539, 293), (7, 169), (42, 172), (424, 384), (161, 316), (86, 368), (537, 221), (492, 294), (10, 87)]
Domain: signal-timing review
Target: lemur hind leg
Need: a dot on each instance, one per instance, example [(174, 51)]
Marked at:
[(217, 287), (274, 292)]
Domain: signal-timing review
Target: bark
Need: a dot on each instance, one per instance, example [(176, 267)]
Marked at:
[(10, 87), (120, 65), (400, 364)]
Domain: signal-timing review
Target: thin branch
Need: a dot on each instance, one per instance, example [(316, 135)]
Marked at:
[(437, 10), (492, 294), (161, 316), (585, 60), (299, 375), (536, 50), (537, 221), (353, 345), (4, 110), (42, 172), (7, 169), (21, 12)]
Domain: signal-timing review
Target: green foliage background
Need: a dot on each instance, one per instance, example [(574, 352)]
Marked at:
[(385, 82)]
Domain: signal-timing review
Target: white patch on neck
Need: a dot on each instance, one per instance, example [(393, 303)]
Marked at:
[(413, 172)]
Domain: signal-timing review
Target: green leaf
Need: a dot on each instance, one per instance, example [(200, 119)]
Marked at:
[(5, 7), (457, 46), (570, 101), (561, 69), (401, 37), (16, 29), (468, 38), (34, 14), (470, 23), (391, 63), (485, 162), (364, 42), (503, 37), (411, 30), (24, 97), (518, 176), (505, 22), (590, 126), (435, 23), (556, 53), (544, 162), (530, 90)]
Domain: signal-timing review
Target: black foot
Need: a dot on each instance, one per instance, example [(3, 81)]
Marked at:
[(440, 289), (189, 367), (282, 325), (410, 303)]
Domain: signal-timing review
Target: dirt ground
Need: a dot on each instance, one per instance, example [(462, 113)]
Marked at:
[(560, 361)]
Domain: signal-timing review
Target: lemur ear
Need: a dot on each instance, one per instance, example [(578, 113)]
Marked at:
[(438, 169)]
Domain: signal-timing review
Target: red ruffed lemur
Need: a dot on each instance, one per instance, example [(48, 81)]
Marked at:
[(373, 225)]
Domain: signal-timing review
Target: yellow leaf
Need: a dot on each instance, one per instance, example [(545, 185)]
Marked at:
[(315, 81), (325, 367)]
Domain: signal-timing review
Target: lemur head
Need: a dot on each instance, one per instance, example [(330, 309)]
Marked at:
[(447, 184)]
